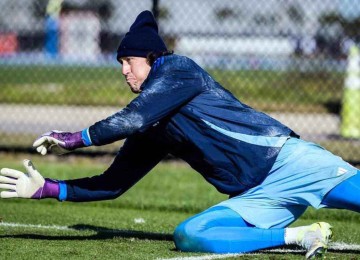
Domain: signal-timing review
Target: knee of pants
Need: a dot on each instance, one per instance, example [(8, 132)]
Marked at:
[(185, 236)]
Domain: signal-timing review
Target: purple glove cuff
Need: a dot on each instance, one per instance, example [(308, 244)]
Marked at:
[(72, 140), (50, 189)]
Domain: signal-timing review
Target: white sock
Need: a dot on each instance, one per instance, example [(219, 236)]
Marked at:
[(291, 235)]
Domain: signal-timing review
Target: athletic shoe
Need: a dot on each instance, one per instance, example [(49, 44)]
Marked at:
[(315, 239)]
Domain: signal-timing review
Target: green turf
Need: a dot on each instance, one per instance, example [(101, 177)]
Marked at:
[(265, 90), (168, 195)]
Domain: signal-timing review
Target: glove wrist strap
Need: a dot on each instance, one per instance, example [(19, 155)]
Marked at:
[(49, 190)]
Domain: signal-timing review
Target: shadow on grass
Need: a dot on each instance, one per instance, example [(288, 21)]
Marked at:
[(101, 233)]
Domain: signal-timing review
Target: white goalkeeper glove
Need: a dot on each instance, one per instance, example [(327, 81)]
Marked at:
[(58, 142), (21, 185)]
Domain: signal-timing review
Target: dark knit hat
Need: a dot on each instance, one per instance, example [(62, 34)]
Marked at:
[(142, 38)]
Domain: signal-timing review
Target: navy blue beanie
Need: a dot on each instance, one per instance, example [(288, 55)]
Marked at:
[(142, 38)]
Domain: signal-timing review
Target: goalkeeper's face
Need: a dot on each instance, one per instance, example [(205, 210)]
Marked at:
[(135, 71)]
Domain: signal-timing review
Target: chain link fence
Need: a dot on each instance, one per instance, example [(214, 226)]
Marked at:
[(295, 60)]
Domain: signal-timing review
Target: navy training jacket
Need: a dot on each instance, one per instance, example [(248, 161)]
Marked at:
[(183, 111)]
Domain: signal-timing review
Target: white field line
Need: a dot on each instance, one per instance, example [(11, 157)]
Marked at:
[(337, 246), (39, 226)]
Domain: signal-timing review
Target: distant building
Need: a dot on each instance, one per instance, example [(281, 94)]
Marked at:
[(200, 27), (215, 17)]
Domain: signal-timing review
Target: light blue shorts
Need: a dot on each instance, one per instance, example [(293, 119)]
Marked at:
[(301, 176)]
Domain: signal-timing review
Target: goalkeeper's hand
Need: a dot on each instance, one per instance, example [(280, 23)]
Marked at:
[(29, 185), (58, 142), (21, 185)]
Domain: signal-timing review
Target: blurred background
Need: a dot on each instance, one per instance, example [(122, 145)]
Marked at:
[(297, 60)]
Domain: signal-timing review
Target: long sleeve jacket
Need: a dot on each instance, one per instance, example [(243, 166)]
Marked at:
[(183, 111)]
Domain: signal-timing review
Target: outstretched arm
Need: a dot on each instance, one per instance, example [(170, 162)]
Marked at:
[(134, 160), (164, 92)]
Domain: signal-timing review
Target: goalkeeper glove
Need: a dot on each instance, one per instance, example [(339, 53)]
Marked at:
[(58, 142), (30, 185)]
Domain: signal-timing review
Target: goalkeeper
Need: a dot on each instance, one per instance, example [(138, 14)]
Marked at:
[(269, 173)]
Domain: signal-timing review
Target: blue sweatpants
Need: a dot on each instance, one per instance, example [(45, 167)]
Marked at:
[(222, 230)]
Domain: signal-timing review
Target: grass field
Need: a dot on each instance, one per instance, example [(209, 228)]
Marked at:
[(138, 225), (265, 90)]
